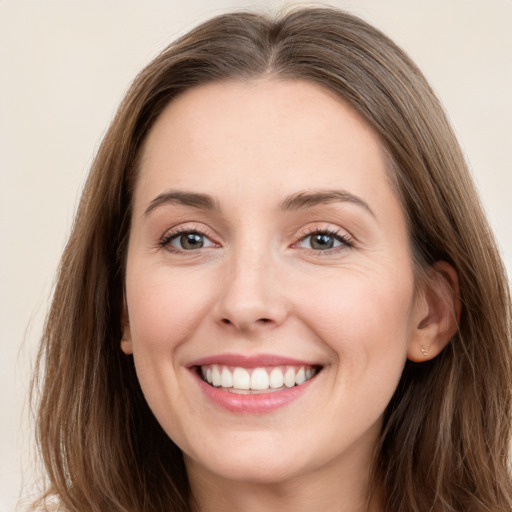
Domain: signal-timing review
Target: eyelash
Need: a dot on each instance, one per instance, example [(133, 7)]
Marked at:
[(345, 240), (165, 241)]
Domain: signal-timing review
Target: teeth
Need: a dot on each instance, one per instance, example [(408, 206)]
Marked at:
[(276, 378), (241, 379), (258, 379), (289, 378), (226, 378), (300, 377), (216, 380)]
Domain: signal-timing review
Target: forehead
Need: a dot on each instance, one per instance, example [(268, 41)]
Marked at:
[(267, 134)]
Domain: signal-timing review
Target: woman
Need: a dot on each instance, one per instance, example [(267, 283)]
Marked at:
[(280, 228)]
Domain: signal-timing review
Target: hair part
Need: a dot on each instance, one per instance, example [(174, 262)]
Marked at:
[(445, 438)]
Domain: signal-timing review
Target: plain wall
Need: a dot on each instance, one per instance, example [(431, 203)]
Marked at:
[(64, 66)]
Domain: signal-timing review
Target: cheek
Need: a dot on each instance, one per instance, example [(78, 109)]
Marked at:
[(165, 308), (165, 305), (366, 322), (363, 317)]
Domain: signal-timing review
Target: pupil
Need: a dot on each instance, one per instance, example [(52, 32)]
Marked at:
[(322, 242), (191, 241)]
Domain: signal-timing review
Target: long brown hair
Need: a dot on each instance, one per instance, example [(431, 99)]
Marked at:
[(445, 437)]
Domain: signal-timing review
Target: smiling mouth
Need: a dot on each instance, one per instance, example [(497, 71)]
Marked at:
[(240, 380)]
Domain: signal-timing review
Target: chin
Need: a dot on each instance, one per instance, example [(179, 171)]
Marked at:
[(262, 457), (262, 469)]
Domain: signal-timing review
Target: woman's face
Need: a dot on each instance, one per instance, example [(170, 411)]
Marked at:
[(268, 255)]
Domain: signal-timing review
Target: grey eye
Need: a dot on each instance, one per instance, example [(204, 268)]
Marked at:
[(190, 241), (321, 241)]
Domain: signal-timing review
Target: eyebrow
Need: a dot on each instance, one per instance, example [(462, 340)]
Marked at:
[(302, 200), (298, 201), (202, 201)]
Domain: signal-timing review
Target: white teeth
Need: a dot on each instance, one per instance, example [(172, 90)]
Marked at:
[(300, 378), (216, 376), (226, 378), (276, 378), (289, 378), (240, 379), (259, 379)]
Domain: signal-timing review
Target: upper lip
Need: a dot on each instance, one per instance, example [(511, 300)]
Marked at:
[(253, 361)]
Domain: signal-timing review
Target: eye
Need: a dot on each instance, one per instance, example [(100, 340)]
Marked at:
[(186, 241), (323, 241)]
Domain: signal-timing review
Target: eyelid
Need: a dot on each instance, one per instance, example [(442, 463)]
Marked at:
[(343, 236), (170, 234), (176, 238)]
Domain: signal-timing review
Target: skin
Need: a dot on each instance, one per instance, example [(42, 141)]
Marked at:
[(258, 286)]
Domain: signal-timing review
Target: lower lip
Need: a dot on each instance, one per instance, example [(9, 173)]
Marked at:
[(260, 403)]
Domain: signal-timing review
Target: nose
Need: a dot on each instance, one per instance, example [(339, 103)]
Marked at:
[(252, 294)]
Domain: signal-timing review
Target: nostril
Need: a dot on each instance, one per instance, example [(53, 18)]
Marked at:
[(227, 321)]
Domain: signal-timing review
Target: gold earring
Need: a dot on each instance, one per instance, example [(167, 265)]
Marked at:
[(126, 346), (424, 350)]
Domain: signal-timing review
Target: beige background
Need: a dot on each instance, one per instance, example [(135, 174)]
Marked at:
[(64, 66)]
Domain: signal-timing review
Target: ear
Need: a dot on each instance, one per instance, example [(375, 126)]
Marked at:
[(437, 314), (126, 341)]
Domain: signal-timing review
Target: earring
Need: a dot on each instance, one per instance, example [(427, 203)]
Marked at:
[(126, 346), (424, 350)]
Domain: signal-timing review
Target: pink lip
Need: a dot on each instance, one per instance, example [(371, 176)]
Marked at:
[(251, 404), (256, 361), (260, 403)]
